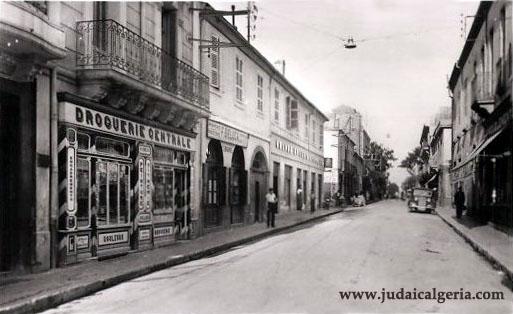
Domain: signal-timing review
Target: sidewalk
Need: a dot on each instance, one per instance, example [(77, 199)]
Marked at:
[(493, 244), (37, 292)]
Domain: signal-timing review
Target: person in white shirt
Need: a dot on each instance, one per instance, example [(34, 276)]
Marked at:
[(271, 207)]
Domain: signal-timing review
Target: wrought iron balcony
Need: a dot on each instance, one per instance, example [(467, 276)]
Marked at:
[(106, 44)]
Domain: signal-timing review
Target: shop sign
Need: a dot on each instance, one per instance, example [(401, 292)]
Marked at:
[(144, 217), (226, 134), (113, 238), (141, 184), (148, 184), (82, 242), (162, 232), (296, 151), (144, 234), (96, 120), (71, 179), (328, 163), (145, 150)]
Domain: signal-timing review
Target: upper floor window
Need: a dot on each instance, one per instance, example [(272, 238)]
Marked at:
[(260, 93), (321, 135), (307, 129), (238, 79), (292, 112), (314, 131), (276, 105), (214, 62)]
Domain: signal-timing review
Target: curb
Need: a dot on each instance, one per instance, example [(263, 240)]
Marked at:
[(496, 263), (41, 303)]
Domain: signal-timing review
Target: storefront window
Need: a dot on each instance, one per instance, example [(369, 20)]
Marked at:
[(83, 190), (124, 193), (111, 147), (113, 192), (83, 141), (101, 179), (163, 182)]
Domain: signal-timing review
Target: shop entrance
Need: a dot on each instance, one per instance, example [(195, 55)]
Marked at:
[(9, 121), (238, 177), (258, 185), (214, 182)]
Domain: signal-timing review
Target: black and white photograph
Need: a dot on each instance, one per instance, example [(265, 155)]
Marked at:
[(256, 157)]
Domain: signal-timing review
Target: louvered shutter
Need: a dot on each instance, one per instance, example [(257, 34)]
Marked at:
[(214, 63)]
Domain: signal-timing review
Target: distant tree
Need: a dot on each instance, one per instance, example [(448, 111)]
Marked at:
[(409, 183), (416, 157), (393, 189)]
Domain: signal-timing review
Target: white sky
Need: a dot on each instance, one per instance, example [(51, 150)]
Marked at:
[(397, 79)]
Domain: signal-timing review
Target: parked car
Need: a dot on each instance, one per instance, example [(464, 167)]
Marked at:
[(421, 199)]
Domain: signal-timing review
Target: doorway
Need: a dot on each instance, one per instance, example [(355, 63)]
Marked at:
[(259, 185), (257, 201), (9, 220)]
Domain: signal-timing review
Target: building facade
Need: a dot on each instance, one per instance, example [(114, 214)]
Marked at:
[(254, 138), (482, 116), (440, 156), (113, 92), (350, 152)]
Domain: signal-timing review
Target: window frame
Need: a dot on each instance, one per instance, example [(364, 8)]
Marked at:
[(239, 79), (260, 93)]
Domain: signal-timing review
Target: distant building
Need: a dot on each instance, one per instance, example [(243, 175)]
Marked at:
[(347, 142), (482, 115), (440, 155)]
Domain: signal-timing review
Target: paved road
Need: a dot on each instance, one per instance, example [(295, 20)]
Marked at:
[(303, 271)]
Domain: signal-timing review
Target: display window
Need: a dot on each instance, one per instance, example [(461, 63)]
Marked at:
[(169, 179), (103, 180)]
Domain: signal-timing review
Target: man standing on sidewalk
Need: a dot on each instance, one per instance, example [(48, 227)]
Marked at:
[(459, 201), (271, 207), (299, 198)]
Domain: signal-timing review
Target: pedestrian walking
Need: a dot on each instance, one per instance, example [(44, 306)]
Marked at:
[(299, 198), (271, 207), (459, 201)]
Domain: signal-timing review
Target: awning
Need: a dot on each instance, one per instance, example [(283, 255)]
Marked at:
[(479, 149)]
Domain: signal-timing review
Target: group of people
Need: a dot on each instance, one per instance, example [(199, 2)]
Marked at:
[(272, 204)]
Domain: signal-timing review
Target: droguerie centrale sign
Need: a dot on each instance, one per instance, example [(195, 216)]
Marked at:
[(100, 121)]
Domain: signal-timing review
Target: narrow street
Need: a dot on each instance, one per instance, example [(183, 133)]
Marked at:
[(302, 271)]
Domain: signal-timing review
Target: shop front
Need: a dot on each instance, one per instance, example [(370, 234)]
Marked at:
[(123, 183), (224, 176)]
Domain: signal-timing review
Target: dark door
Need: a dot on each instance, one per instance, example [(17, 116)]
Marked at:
[(257, 201), (9, 135)]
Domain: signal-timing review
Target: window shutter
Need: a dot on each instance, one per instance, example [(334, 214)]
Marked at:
[(214, 63), (294, 114), (287, 111)]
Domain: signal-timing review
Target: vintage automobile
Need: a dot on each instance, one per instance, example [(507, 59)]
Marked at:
[(421, 199)]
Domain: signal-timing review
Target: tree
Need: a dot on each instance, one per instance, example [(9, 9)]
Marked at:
[(416, 157), (409, 183), (382, 158), (392, 189)]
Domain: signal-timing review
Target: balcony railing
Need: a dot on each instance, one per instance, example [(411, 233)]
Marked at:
[(108, 44)]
